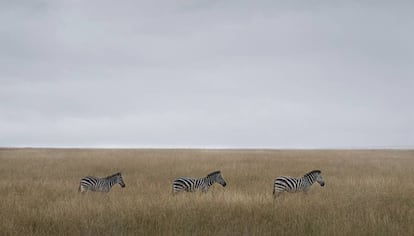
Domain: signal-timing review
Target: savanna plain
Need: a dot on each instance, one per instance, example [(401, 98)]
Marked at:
[(367, 192)]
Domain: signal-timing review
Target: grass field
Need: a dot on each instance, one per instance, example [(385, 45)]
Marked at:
[(366, 193)]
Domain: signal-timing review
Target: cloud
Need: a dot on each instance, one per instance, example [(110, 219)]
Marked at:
[(206, 73)]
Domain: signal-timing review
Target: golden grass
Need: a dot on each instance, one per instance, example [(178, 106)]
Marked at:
[(366, 193)]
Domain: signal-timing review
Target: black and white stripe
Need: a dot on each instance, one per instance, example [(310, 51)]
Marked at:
[(96, 184), (189, 184), (289, 184)]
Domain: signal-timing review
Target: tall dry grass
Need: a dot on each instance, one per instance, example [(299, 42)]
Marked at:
[(366, 193)]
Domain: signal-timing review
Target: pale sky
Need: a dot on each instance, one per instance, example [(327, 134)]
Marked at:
[(207, 74)]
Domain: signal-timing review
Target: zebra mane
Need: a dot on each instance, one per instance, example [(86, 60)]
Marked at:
[(313, 172), (213, 173), (118, 173)]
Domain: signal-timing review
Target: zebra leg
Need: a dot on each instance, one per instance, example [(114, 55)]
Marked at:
[(175, 191), (82, 189), (306, 190), (276, 194), (204, 189)]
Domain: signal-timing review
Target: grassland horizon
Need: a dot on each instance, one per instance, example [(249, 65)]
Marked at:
[(367, 192)]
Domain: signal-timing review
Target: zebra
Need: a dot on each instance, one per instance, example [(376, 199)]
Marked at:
[(289, 184), (192, 184), (96, 184)]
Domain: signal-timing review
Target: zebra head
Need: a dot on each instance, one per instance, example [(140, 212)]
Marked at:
[(320, 179), (216, 176), (119, 179)]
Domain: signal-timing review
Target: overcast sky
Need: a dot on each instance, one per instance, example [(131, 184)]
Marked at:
[(206, 73)]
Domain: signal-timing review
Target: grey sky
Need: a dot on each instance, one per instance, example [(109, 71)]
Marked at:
[(267, 74)]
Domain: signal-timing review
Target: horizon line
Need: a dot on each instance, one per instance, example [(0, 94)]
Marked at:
[(154, 147)]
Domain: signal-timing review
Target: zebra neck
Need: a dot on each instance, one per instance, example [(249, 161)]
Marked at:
[(209, 180), (309, 178), (112, 181)]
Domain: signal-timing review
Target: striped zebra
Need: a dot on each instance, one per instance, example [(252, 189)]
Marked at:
[(96, 184), (289, 184), (192, 184)]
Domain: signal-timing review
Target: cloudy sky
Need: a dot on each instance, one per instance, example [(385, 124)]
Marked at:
[(207, 73)]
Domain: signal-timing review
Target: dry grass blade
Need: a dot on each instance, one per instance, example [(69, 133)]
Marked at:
[(366, 193)]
